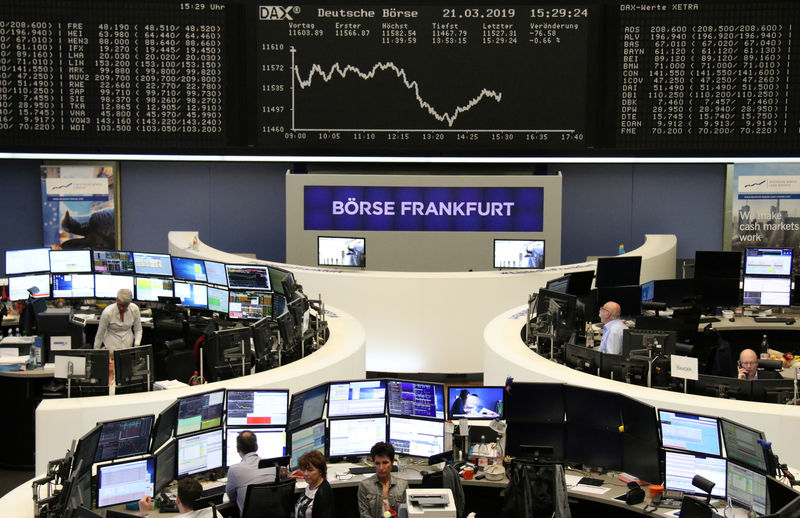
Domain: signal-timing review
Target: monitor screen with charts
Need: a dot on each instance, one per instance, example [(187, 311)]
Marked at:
[(187, 269), (70, 261), (18, 286), (257, 408), (27, 261), (416, 437), (152, 264), (680, 469), (217, 299), (215, 273), (689, 432), (770, 262), (150, 288), (124, 438), (247, 277), (73, 285), (200, 452), (307, 406), (251, 305), (113, 261), (271, 443), (767, 291), (306, 439), (125, 482), (356, 436), (200, 412), (415, 399), (743, 444), (107, 286), (747, 488), (353, 398)]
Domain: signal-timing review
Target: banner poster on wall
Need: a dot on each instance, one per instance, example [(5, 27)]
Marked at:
[(765, 206), (79, 207)]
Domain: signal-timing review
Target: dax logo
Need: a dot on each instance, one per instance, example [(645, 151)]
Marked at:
[(277, 12)]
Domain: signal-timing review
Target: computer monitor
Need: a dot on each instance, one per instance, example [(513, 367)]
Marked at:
[(641, 455), (86, 450), (689, 432), (125, 482), (166, 466), (279, 306), (271, 443), (716, 264), (298, 307), (276, 277), (355, 398), (767, 291), (247, 277), (672, 292), (264, 341), (107, 286), (580, 283), (342, 251), (769, 262), (519, 253), (629, 298), (583, 358), (415, 399), (18, 286), (73, 286), (192, 295), (558, 285), (594, 447), (150, 288), (779, 391), (723, 387), (257, 408), (113, 261), (744, 445), (164, 428), (200, 412), (355, 436), (304, 440), (95, 381), (535, 440), (559, 309), (611, 366), (307, 406), (134, 369), (286, 329), (79, 491), (217, 299), (199, 453), (215, 273), (124, 438), (680, 469), (416, 437), (70, 261), (481, 402), (225, 352), (618, 271), (517, 402), (188, 269), (641, 340), (289, 285), (648, 290), (152, 264), (251, 305), (747, 488), (598, 409), (31, 260)]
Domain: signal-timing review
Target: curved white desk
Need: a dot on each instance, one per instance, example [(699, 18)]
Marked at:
[(430, 321), (506, 355), (59, 421)]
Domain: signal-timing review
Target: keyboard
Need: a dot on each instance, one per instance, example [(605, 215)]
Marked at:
[(214, 490), (780, 320), (708, 320), (362, 470)]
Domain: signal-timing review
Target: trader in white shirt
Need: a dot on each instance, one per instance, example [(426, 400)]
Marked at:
[(612, 328), (120, 327)]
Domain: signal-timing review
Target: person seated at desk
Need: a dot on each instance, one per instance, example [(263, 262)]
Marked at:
[(748, 368), (459, 406), (317, 499), (246, 472), (613, 327), (189, 490), (383, 492)]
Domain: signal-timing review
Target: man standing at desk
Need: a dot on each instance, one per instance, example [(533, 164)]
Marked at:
[(246, 472), (120, 324), (612, 328)]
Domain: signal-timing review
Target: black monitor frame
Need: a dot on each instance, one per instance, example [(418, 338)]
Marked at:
[(169, 453), (141, 267), (618, 271), (753, 251), (454, 390), (95, 382), (134, 369), (422, 422), (125, 262), (164, 427), (223, 352), (360, 260), (540, 266), (716, 264), (517, 403), (673, 292), (185, 401), (381, 384), (583, 358), (336, 455), (100, 470), (180, 277), (189, 437), (297, 406), (580, 283), (120, 425), (723, 387), (773, 391), (641, 340), (307, 426), (435, 386), (629, 298), (265, 343), (228, 394), (85, 451), (716, 452)]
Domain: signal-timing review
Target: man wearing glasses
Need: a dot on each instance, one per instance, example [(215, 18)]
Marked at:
[(612, 328), (748, 367)]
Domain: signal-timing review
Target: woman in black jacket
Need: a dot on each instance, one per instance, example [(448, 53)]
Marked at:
[(317, 499)]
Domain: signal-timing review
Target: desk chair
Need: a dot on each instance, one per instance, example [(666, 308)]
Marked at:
[(269, 500)]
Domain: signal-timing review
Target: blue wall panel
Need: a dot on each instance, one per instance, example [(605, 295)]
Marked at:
[(20, 207)]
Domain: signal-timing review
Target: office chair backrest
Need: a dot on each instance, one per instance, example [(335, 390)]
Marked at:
[(269, 500)]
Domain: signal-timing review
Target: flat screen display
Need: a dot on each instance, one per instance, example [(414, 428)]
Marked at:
[(125, 482), (124, 438), (187, 269), (164, 427), (31, 260), (271, 443), (355, 436), (18, 286), (247, 277), (680, 469), (152, 264), (201, 452), (415, 399), (257, 408), (307, 406), (306, 439), (250, 305), (166, 466), (742, 445), (475, 402), (73, 285), (618, 271), (342, 251), (770, 262), (217, 299), (192, 295), (352, 398), (416, 437), (747, 488), (107, 286), (113, 261), (767, 291), (215, 273), (150, 288), (70, 261), (518, 253), (200, 412), (689, 432)]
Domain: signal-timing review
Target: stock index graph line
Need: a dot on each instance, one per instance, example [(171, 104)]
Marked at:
[(336, 68)]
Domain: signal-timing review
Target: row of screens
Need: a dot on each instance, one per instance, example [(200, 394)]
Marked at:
[(114, 262), (769, 262)]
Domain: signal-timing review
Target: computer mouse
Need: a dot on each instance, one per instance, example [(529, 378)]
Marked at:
[(789, 321)]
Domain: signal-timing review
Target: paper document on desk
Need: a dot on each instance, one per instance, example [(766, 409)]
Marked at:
[(572, 480), (13, 360), (596, 490)]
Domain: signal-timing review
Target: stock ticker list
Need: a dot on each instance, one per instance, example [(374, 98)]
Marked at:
[(106, 73), (431, 79), (708, 76)]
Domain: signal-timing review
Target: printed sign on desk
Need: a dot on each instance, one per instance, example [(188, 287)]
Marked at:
[(683, 367)]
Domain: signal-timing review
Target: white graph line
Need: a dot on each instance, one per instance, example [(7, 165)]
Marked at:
[(411, 85)]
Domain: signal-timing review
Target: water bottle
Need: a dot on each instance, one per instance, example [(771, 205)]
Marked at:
[(621, 249), (31, 364), (764, 349), (16, 333)]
